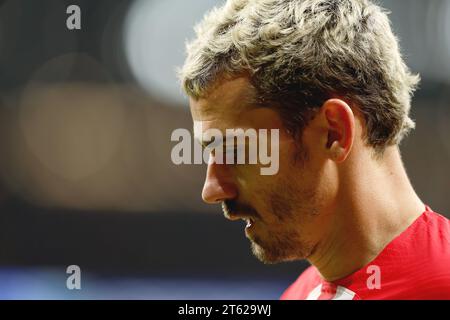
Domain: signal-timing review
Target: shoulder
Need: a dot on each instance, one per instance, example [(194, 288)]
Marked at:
[(428, 236), (416, 264), (432, 275), (433, 229)]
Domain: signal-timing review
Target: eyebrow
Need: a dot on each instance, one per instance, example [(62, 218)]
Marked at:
[(206, 143)]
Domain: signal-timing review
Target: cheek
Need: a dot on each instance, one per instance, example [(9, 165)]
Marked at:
[(247, 179), (299, 191), (266, 191)]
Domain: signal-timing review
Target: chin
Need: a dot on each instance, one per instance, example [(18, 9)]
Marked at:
[(271, 256)]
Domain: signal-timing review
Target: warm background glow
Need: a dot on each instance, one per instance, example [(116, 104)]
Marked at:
[(85, 170)]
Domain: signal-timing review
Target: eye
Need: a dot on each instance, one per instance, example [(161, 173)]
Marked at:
[(235, 154)]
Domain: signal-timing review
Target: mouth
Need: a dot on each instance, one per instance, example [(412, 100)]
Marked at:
[(249, 220), (249, 223)]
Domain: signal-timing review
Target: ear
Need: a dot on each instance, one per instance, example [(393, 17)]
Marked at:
[(340, 124)]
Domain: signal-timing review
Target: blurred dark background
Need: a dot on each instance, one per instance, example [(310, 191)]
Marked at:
[(85, 171)]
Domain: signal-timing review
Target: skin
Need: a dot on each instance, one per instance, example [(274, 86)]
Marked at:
[(337, 206)]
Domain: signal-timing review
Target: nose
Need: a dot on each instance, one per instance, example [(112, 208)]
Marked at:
[(218, 185)]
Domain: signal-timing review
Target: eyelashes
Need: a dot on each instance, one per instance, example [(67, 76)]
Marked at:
[(231, 155)]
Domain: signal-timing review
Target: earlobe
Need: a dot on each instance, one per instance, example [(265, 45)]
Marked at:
[(337, 153)]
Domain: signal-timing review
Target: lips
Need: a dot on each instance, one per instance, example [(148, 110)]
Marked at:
[(233, 216), (249, 222)]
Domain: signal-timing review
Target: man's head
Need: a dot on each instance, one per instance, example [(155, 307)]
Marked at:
[(329, 75)]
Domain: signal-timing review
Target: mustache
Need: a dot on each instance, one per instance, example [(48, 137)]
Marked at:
[(234, 208)]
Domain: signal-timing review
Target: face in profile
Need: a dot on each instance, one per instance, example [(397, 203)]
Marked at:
[(284, 213)]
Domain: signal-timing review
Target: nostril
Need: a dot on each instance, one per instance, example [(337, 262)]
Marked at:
[(211, 199), (214, 192)]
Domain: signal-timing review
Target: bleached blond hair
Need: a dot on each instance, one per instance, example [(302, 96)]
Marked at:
[(299, 53)]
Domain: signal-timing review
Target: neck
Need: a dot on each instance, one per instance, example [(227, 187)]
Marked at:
[(376, 204)]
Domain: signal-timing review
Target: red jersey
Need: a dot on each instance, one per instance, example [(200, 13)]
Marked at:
[(415, 265)]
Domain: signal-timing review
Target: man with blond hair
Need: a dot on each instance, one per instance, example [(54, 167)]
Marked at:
[(328, 74)]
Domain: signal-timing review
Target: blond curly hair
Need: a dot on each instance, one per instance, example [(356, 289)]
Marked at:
[(298, 53)]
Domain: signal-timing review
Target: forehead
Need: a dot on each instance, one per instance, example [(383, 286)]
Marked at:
[(230, 105), (225, 101)]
